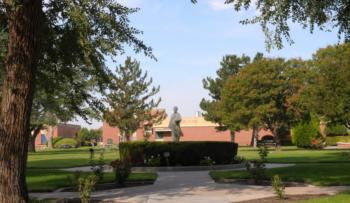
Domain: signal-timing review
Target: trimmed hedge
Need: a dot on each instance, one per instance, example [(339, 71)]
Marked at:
[(336, 130), (180, 153), (66, 141), (332, 141)]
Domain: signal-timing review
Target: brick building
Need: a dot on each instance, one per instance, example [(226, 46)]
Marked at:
[(60, 130), (193, 129)]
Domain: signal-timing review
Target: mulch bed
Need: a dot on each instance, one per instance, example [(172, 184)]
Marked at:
[(289, 198), (109, 186), (262, 183)]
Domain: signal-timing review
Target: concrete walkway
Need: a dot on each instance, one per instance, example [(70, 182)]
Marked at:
[(175, 187)]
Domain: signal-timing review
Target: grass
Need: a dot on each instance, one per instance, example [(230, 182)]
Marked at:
[(46, 180), (67, 158), (315, 174), (295, 155), (339, 198)]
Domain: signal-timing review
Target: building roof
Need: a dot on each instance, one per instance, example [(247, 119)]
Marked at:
[(188, 122)]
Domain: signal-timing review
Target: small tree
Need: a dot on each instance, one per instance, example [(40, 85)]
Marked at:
[(86, 135), (305, 131), (130, 98)]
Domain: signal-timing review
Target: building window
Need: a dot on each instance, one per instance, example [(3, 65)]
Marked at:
[(109, 141), (43, 139), (159, 135)]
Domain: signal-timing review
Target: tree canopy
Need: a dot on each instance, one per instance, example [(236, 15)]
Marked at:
[(329, 91), (275, 16), (263, 94)]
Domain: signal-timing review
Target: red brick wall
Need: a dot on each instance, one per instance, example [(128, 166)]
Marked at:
[(207, 133), (110, 133), (66, 130)]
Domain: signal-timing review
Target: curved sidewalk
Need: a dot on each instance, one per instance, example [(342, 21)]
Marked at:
[(174, 187)]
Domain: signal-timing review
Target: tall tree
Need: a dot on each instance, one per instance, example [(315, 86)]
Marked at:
[(264, 95), (130, 98), (230, 65), (329, 92), (55, 38), (274, 16)]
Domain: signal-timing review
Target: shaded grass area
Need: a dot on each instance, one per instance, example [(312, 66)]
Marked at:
[(295, 155), (315, 174), (67, 158), (45, 180), (339, 198)]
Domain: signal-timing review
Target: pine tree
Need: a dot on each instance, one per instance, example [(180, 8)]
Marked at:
[(130, 98), (230, 65)]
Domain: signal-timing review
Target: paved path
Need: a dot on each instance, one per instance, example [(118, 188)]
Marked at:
[(108, 168), (183, 187)]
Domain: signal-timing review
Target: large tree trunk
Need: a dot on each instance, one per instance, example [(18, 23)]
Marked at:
[(32, 137), (31, 143), (50, 137), (17, 96), (233, 135), (276, 137), (255, 135)]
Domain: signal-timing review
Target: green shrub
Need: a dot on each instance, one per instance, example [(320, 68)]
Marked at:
[(336, 130), (206, 161), (180, 153), (66, 142), (304, 133), (55, 140), (332, 141), (86, 186), (278, 186), (257, 168), (153, 161), (122, 171)]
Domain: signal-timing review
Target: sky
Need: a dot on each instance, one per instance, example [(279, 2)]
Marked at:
[(190, 40)]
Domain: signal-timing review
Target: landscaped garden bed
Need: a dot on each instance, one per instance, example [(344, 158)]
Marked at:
[(315, 174)]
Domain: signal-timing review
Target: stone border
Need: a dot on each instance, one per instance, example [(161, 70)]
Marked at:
[(187, 168)]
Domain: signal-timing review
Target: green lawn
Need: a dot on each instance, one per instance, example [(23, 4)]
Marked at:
[(41, 180), (67, 158), (316, 174), (339, 198), (295, 155)]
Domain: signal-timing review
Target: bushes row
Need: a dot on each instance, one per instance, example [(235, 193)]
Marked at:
[(177, 154), (332, 141)]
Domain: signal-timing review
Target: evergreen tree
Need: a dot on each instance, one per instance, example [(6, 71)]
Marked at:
[(130, 98), (230, 65)]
